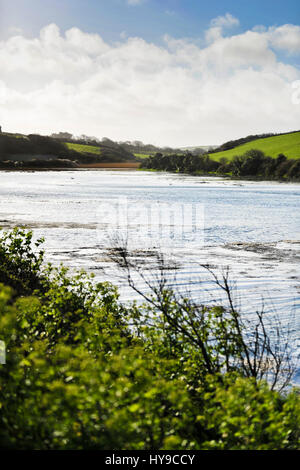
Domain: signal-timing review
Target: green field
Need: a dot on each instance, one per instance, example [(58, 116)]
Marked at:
[(288, 144), (141, 155), (84, 148)]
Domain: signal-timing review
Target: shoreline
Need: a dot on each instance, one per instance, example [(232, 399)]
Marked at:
[(227, 177), (136, 166), (126, 165), (92, 166)]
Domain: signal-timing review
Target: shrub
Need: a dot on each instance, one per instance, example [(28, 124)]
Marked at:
[(85, 372)]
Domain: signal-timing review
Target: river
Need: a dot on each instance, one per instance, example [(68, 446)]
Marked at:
[(250, 227)]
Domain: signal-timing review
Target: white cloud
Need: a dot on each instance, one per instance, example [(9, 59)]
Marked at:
[(218, 24), (286, 37), (226, 21), (176, 94)]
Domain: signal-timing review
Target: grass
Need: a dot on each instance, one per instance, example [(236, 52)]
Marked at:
[(288, 144), (84, 148), (141, 155)]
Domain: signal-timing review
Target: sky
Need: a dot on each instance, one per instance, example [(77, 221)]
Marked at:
[(167, 72)]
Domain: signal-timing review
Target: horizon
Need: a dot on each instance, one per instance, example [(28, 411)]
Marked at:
[(172, 73)]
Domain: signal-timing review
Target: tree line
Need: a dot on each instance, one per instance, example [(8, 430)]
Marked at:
[(253, 163), (37, 146)]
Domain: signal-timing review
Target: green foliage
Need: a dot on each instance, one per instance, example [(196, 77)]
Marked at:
[(265, 157), (253, 163), (248, 417), (187, 163), (21, 267), (85, 372), (32, 144)]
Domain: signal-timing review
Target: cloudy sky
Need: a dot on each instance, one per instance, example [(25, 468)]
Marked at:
[(169, 72)]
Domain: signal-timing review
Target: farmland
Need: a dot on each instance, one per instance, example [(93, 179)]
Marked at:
[(288, 144)]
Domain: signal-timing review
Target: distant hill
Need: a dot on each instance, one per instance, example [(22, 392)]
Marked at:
[(272, 146), (90, 150), (24, 148), (205, 148), (84, 149), (264, 157), (100, 153)]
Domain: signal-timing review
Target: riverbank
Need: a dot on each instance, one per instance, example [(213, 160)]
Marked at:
[(253, 164), (137, 167), (60, 165), (116, 165), (228, 177)]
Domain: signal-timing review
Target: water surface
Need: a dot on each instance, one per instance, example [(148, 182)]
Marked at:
[(252, 227)]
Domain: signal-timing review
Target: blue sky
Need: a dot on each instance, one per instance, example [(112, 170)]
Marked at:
[(149, 19), (169, 72)]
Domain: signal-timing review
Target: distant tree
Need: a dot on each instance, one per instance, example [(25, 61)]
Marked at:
[(252, 161), (282, 165), (236, 165), (280, 159), (66, 136), (294, 170)]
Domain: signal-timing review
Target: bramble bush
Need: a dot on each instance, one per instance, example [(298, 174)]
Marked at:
[(85, 372)]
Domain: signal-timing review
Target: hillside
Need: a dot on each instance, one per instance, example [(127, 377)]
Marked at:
[(100, 153), (288, 144), (264, 157), (35, 149), (84, 148)]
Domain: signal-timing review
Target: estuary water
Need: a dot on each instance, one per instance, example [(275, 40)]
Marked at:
[(253, 228)]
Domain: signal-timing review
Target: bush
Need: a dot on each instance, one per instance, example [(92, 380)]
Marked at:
[(21, 267), (84, 372)]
